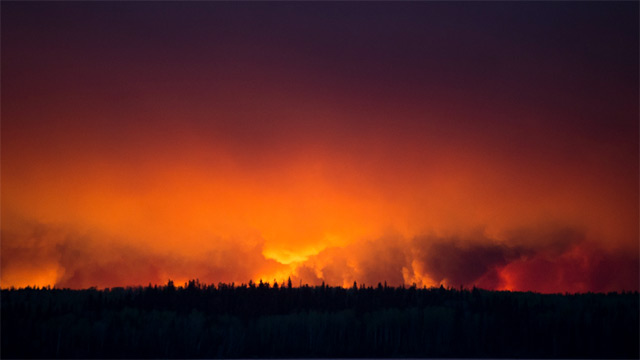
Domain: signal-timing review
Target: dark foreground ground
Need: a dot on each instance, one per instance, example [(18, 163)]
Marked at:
[(263, 321)]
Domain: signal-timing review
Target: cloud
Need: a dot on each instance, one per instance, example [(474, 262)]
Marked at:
[(541, 258), (449, 261), (28, 256), (52, 255), (368, 262), (582, 267), (546, 258)]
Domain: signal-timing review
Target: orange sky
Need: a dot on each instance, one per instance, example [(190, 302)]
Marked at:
[(131, 155)]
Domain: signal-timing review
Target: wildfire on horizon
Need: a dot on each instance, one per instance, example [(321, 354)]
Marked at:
[(491, 144)]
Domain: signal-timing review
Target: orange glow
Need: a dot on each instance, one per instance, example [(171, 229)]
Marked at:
[(206, 160), (287, 218)]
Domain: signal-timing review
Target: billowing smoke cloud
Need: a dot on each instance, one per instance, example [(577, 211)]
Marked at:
[(453, 263), (372, 261), (545, 259), (50, 255), (478, 259), (555, 259)]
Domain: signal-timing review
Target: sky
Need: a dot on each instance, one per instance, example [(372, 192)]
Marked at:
[(488, 144)]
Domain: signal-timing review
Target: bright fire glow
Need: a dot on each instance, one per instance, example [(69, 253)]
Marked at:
[(189, 153)]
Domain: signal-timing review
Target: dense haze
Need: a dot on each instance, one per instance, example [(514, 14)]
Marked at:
[(488, 144)]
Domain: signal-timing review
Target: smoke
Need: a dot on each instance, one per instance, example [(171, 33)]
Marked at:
[(545, 259), (542, 258), (52, 255), (454, 263), (268, 165)]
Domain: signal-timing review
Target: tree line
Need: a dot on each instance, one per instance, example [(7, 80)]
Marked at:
[(266, 321)]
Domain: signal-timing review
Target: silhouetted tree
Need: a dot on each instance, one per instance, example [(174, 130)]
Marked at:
[(228, 321)]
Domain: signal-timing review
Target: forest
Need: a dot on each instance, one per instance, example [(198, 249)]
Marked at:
[(262, 320)]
